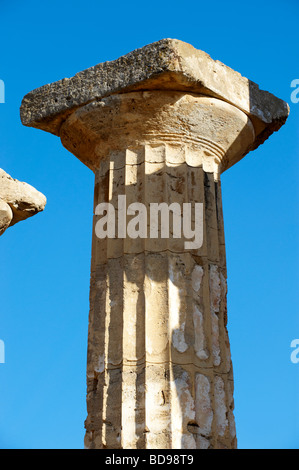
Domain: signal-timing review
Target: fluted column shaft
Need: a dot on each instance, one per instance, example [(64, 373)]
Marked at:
[(159, 362), (159, 371)]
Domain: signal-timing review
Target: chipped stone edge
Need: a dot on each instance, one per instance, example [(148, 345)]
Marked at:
[(166, 64), (18, 201)]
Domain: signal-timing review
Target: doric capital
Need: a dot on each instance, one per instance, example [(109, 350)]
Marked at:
[(198, 130), (168, 64)]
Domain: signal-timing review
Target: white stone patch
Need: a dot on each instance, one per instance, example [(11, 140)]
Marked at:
[(231, 418), (223, 284), (199, 335), (220, 406), (232, 424), (182, 411), (101, 363), (215, 288), (215, 296), (178, 339), (176, 316), (196, 278), (203, 407), (215, 339), (226, 352)]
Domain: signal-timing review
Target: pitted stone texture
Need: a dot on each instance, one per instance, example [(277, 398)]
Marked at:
[(18, 201), (168, 64)]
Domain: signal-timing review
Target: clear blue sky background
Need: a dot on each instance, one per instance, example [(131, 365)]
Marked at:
[(45, 261)]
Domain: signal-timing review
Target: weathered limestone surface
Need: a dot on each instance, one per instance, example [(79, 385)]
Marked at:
[(18, 201), (159, 126)]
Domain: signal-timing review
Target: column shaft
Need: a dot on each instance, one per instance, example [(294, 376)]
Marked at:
[(159, 369)]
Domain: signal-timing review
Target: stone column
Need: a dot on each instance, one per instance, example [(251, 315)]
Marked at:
[(159, 372)]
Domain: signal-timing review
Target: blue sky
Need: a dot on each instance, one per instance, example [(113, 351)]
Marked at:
[(45, 261)]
